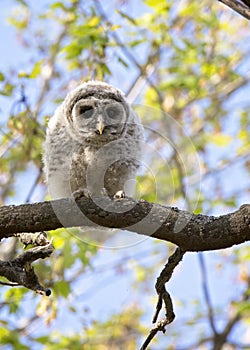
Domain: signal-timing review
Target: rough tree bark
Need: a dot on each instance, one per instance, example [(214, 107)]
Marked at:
[(189, 231), (242, 7)]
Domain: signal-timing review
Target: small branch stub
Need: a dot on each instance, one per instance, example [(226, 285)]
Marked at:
[(19, 270)]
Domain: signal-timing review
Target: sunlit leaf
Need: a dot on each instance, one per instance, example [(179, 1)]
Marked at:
[(220, 140), (62, 288), (36, 69)]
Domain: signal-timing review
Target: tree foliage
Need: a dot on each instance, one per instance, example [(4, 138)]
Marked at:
[(185, 67)]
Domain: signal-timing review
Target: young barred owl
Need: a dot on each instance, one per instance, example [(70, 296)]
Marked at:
[(93, 143)]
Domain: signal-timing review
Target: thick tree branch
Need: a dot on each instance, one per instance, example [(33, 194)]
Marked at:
[(238, 6), (190, 232)]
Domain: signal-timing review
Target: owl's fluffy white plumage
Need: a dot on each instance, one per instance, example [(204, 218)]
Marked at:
[(93, 141)]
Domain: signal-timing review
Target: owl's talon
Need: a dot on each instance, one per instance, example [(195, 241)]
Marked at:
[(119, 194), (81, 192), (104, 192)]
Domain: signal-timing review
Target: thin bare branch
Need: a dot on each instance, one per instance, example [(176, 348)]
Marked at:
[(164, 297), (206, 292), (221, 338)]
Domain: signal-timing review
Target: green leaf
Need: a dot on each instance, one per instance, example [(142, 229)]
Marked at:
[(62, 288), (36, 69), (72, 50), (22, 2), (105, 69), (158, 5), (94, 21), (43, 339), (123, 62), (7, 90), (57, 5), (19, 24), (127, 17), (69, 258), (220, 139), (153, 3), (23, 74), (135, 43), (14, 297)]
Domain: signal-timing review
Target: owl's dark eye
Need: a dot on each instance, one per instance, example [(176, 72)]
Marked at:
[(114, 112), (86, 111)]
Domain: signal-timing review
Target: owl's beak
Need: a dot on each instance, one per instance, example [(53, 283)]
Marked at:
[(100, 127)]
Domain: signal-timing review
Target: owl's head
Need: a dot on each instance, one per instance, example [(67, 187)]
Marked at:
[(96, 110)]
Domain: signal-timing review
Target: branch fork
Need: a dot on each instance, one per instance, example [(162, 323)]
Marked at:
[(19, 270)]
